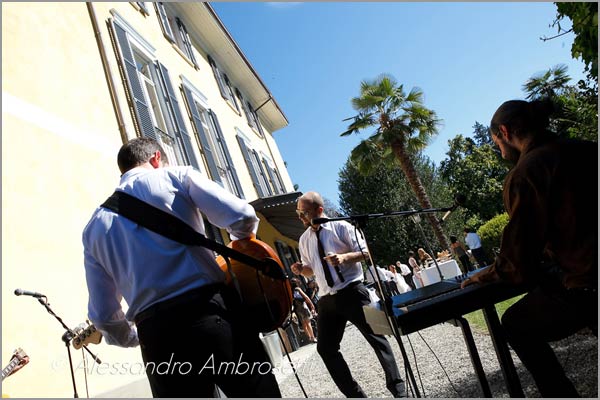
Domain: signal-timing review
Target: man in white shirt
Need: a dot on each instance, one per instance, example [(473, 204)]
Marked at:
[(474, 242), (173, 291), (341, 294)]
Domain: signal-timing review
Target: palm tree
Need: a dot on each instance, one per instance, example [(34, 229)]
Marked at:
[(404, 126), (548, 84)]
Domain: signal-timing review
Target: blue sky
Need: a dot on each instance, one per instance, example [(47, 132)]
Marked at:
[(467, 58)]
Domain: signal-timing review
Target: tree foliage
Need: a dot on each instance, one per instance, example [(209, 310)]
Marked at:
[(576, 114), (584, 22), (476, 170), (386, 190)]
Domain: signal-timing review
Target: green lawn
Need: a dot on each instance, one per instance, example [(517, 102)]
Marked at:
[(477, 321)]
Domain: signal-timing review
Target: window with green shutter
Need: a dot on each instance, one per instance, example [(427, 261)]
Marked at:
[(155, 109)]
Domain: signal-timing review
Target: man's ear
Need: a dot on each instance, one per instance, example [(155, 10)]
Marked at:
[(155, 160), (504, 133)]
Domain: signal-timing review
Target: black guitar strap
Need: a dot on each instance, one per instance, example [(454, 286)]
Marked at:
[(173, 228)]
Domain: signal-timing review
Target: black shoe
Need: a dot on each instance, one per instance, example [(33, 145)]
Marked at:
[(399, 389)]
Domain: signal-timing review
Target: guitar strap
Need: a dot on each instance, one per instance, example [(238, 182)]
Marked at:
[(171, 227)]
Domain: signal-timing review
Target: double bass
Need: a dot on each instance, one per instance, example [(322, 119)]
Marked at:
[(267, 299)]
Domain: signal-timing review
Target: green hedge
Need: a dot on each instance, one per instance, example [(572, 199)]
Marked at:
[(491, 233)]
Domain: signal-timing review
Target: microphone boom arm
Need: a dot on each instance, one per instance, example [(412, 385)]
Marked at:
[(361, 218)]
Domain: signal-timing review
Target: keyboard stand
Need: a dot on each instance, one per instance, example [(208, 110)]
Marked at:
[(475, 360), (513, 384)]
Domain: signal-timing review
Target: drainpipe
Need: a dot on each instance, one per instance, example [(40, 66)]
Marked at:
[(108, 74)]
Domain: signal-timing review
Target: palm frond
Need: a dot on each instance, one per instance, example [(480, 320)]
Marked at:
[(366, 156), (360, 121)]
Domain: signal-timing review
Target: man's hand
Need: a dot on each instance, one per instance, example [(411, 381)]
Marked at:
[(334, 259), (484, 276)]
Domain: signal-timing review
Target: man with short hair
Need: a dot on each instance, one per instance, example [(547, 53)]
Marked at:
[(550, 243), (342, 294), (185, 317)]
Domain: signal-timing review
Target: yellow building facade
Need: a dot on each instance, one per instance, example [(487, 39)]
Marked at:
[(78, 80)]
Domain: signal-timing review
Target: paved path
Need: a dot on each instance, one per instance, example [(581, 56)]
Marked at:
[(452, 376)]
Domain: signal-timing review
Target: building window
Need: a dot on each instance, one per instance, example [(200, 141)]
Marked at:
[(224, 84), (212, 142), (274, 177), (140, 6), (155, 109), (175, 31), (255, 166), (251, 115)]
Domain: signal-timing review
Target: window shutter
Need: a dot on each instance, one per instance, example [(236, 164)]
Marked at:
[(279, 180), (197, 121), (246, 154), (271, 177), (142, 6), (230, 94), (261, 170), (218, 77), (177, 117), (132, 83), (256, 121), (244, 105), (164, 21), (230, 166), (186, 41)]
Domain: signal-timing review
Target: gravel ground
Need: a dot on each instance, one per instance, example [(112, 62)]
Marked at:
[(453, 378)]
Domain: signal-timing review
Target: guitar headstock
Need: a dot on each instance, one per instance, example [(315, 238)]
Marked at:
[(85, 335), (21, 356)]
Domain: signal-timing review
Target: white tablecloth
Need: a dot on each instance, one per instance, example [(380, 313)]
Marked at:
[(449, 270)]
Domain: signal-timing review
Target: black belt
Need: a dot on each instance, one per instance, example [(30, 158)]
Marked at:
[(199, 295)]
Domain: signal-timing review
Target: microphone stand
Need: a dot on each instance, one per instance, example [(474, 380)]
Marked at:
[(361, 220), (66, 338)]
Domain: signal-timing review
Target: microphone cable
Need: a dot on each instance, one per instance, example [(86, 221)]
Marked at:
[(440, 364)]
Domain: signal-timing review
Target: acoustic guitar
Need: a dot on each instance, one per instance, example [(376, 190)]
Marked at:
[(18, 359), (266, 299)]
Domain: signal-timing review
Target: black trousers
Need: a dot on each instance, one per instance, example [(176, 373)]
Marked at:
[(479, 255), (543, 316), (191, 344), (466, 263), (334, 311)]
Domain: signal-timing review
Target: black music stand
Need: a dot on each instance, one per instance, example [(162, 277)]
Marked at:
[(359, 221)]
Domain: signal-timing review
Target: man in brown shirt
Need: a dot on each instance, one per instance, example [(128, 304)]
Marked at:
[(551, 241)]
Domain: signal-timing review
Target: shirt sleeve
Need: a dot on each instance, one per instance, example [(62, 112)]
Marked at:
[(349, 236), (304, 254), (221, 207), (104, 306)]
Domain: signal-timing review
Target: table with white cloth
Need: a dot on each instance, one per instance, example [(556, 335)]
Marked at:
[(430, 274)]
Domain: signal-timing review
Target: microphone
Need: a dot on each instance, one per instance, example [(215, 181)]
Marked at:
[(21, 292), (319, 221), (459, 200)]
